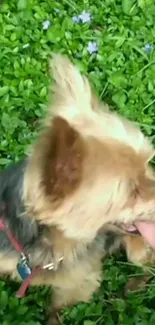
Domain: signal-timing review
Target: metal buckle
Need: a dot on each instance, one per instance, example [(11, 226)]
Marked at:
[(23, 267), (53, 265), (23, 257)]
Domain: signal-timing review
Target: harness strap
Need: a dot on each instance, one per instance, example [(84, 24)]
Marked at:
[(26, 281), (13, 240)]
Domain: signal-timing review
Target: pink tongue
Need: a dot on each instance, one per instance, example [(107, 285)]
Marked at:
[(147, 230)]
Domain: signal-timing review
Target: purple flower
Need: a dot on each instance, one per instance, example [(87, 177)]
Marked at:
[(85, 17), (92, 47), (46, 24), (148, 48), (76, 19)]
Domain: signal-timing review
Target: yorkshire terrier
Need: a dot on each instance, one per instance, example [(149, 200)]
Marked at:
[(86, 181)]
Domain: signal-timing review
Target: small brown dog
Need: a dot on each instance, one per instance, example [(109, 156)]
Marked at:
[(88, 172)]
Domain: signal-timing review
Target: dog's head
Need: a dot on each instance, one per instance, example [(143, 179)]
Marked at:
[(90, 167)]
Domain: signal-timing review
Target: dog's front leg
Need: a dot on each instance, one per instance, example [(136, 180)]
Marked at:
[(140, 254), (74, 284)]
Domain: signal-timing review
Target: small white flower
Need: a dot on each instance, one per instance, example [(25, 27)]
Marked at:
[(76, 19), (92, 47), (46, 24), (25, 46), (57, 10), (148, 48), (85, 17)]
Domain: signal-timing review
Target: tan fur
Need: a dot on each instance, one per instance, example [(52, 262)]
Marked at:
[(113, 168), (140, 254), (8, 264), (138, 251), (88, 169), (76, 279), (113, 184)]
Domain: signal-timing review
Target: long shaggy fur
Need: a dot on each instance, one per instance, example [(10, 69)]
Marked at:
[(87, 175)]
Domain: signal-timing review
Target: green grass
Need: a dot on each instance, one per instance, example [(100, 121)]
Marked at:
[(123, 74)]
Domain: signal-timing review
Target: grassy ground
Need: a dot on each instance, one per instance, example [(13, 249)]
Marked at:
[(121, 35)]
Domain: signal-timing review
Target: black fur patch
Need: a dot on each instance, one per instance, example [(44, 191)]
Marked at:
[(108, 241), (24, 229), (112, 241)]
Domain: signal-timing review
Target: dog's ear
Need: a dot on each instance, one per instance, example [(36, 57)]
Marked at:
[(62, 163), (72, 93)]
